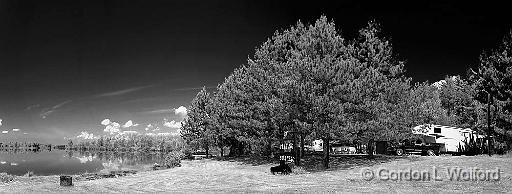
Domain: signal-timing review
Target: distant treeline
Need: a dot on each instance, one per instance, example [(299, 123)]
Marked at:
[(24, 146), (128, 158), (129, 143)]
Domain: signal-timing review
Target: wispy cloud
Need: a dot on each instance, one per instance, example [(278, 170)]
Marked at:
[(47, 111), (61, 104), (194, 88), (181, 111), (32, 107), (139, 100), (122, 92), (158, 111)]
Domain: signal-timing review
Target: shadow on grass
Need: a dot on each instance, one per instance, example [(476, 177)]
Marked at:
[(249, 160), (313, 163)]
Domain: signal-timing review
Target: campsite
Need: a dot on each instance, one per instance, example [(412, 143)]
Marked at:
[(255, 97)]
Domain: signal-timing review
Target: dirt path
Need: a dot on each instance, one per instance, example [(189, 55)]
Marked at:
[(222, 176)]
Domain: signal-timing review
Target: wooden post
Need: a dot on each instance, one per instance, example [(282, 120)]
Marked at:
[(66, 181)]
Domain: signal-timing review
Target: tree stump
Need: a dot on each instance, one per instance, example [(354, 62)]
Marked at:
[(66, 181)]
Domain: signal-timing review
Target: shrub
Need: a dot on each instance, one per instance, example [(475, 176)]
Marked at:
[(29, 174), (5, 178), (173, 159)]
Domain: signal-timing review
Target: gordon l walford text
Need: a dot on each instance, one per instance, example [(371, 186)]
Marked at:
[(432, 174)]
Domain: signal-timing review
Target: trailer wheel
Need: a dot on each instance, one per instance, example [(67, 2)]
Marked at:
[(431, 153), (399, 152)]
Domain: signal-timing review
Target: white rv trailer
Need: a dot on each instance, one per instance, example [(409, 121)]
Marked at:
[(451, 137)]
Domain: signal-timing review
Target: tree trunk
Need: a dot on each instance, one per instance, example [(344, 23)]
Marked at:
[(326, 152), (269, 148), (240, 149), (489, 148), (234, 148), (221, 151), (369, 148), (301, 145), (206, 150), (295, 151)]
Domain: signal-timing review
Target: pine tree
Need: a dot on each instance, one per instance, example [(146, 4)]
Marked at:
[(494, 78)]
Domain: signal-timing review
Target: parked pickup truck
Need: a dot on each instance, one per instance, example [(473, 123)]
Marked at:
[(415, 146)]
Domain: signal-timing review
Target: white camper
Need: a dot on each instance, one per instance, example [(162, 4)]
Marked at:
[(451, 137), (318, 145)]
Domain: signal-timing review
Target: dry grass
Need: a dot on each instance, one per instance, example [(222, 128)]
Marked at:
[(214, 176)]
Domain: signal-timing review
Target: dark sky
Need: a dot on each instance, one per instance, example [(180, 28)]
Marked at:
[(67, 65)]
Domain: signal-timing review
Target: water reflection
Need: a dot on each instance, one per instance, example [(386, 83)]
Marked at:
[(57, 162)]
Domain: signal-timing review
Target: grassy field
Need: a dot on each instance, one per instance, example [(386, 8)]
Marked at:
[(213, 176)]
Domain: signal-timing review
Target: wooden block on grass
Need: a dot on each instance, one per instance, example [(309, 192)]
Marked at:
[(66, 181)]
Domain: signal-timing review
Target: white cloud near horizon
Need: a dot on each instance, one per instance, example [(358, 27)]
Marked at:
[(86, 135), (160, 134), (105, 122), (129, 132), (172, 124), (148, 127), (129, 123), (182, 111), (15, 129), (112, 128), (5, 132)]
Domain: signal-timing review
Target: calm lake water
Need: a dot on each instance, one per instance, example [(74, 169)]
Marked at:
[(60, 162)]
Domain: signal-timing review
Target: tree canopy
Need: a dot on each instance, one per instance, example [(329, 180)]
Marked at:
[(310, 81)]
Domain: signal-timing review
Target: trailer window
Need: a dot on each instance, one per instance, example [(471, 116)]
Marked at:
[(437, 130)]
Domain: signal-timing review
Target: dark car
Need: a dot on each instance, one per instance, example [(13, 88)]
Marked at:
[(415, 146)]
